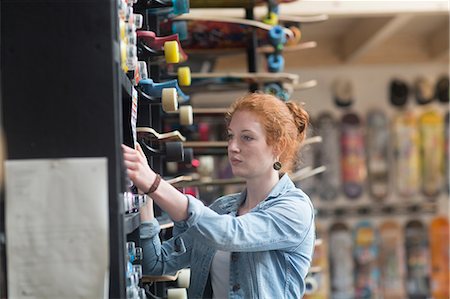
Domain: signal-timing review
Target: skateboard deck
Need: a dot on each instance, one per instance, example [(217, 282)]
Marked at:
[(366, 256), (392, 262), (417, 260), (320, 261), (353, 164), (328, 155), (231, 3), (278, 84), (431, 124), (152, 134), (439, 249), (377, 145), (406, 144), (308, 185), (341, 262), (228, 33)]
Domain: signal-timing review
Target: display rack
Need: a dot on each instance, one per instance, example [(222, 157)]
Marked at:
[(61, 95)]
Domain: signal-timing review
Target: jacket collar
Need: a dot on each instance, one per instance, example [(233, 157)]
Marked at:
[(233, 203)]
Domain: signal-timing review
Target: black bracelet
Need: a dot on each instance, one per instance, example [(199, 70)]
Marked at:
[(155, 184)]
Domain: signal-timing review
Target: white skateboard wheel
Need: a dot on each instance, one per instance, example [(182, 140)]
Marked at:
[(176, 293), (169, 99), (186, 115), (184, 276), (311, 285)]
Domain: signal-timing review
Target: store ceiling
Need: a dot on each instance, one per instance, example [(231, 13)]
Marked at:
[(359, 33)]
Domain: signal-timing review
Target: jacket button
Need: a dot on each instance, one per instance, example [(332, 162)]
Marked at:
[(236, 287), (234, 256)]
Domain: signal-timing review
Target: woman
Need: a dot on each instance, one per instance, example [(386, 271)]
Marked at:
[(254, 244)]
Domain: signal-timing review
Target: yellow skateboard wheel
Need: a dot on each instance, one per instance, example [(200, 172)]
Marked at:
[(171, 52), (169, 99), (176, 293), (186, 116), (297, 36), (184, 276), (271, 19), (184, 76)]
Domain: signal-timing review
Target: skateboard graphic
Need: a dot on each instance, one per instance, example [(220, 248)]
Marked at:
[(341, 262), (328, 155), (391, 261), (417, 260), (209, 33), (321, 277), (232, 3), (431, 125), (366, 255), (406, 148), (377, 148), (353, 163), (439, 253)]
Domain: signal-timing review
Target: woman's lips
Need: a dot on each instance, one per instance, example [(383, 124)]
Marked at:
[(235, 161)]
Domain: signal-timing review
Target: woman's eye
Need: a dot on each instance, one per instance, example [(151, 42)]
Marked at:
[(229, 136), (247, 138)]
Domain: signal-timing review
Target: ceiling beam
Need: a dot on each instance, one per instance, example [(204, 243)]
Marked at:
[(438, 43), (369, 33)]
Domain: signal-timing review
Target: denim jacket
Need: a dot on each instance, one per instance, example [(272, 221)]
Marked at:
[(271, 246)]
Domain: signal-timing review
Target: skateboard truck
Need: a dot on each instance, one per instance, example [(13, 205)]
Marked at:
[(172, 151), (155, 89)]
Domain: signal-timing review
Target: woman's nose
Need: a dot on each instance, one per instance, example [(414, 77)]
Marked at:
[(232, 145)]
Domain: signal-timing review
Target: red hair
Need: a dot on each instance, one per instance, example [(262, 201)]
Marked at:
[(285, 123)]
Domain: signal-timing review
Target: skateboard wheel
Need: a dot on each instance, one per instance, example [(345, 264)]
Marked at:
[(188, 155), (275, 63), (176, 293), (180, 28), (276, 36), (184, 76), (174, 151), (343, 92), (272, 89), (184, 276), (311, 285), (297, 36), (180, 6), (423, 91), (171, 52), (169, 99), (186, 116), (399, 92), (442, 89), (271, 19)]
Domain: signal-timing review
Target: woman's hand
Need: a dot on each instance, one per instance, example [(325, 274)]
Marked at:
[(137, 167)]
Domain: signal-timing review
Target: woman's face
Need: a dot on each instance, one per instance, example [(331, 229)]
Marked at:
[(248, 152)]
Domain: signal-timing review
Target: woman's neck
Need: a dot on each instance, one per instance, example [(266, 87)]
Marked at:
[(257, 191)]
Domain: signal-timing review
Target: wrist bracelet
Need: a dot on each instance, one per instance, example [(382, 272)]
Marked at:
[(155, 184)]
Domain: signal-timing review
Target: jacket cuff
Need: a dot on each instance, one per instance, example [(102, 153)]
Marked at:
[(195, 210), (149, 229)]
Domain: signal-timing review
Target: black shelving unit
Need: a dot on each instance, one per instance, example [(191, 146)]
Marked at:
[(62, 95)]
